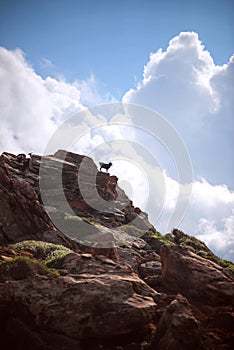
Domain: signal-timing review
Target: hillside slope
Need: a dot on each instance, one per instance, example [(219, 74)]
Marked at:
[(82, 268)]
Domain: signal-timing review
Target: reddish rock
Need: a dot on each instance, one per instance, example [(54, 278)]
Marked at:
[(179, 329), (20, 196), (195, 277), (98, 299), (150, 268), (8, 253), (22, 216)]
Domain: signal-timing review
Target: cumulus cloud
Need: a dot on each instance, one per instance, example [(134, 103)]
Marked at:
[(24, 103), (90, 92), (32, 108), (209, 214), (220, 240), (210, 217), (195, 95)]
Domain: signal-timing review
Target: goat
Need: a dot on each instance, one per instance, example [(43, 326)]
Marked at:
[(105, 166)]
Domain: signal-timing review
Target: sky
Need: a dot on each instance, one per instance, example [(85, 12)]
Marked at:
[(176, 58)]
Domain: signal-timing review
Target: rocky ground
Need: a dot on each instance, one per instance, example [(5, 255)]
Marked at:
[(74, 275)]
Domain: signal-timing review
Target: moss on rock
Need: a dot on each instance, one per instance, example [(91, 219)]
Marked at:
[(49, 254), (21, 267)]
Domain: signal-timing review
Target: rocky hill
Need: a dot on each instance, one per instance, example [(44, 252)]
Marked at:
[(82, 268)]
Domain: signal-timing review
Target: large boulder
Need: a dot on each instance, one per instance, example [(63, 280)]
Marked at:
[(195, 277), (178, 328), (97, 299)]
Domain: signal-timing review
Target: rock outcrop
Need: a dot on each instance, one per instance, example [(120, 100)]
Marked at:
[(82, 268), (97, 298), (179, 329), (196, 277), (23, 214)]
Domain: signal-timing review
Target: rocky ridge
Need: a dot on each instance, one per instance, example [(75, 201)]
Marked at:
[(92, 279)]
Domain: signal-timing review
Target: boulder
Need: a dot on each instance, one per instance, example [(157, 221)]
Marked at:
[(195, 277), (178, 328), (97, 299)]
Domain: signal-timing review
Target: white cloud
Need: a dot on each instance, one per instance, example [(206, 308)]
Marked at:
[(209, 216), (219, 239), (196, 96), (90, 92), (32, 108)]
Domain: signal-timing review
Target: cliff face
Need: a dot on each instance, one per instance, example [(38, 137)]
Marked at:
[(65, 189), (22, 216), (90, 272)]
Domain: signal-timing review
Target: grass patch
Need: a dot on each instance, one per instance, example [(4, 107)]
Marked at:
[(21, 267), (74, 226), (56, 258), (70, 217), (155, 239), (200, 248), (133, 230), (51, 255)]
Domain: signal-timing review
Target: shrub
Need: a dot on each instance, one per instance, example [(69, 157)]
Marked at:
[(156, 240), (21, 267), (50, 254)]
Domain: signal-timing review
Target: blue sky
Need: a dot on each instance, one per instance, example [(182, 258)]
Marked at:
[(175, 57), (110, 39)]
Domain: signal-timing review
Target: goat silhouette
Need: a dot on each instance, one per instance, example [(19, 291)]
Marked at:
[(105, 166)]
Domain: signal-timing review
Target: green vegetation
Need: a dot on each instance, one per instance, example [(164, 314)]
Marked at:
[(133, 230), (227, 265), (21, 267), (55, 259), (198, 247), (70, 217), (191, 242), (50, 254), (156, 240), (74, 226)]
